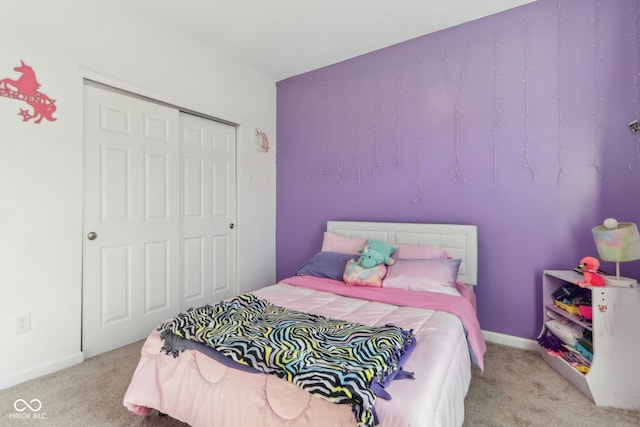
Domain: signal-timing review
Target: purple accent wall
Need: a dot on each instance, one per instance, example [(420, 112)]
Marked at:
[(516, 122)]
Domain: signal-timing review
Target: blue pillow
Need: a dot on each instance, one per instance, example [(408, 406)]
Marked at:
[(326, 264)]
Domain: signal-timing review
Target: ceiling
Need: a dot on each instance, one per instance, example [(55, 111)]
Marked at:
[(283, 38)]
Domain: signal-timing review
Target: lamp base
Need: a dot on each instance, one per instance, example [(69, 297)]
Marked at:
[(620, 282)]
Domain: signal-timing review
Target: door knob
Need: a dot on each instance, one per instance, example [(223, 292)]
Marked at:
[(92, 236), (232, 226)]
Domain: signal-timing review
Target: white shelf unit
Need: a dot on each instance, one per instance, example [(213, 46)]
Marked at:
[(614, 377)]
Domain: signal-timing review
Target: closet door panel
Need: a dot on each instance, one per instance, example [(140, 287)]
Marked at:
[(209, 214), (131, 219)]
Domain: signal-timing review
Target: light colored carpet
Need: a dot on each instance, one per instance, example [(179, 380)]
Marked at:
[(516, 389)]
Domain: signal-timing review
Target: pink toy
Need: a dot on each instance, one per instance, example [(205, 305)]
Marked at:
[(589, 266), (586, 311)]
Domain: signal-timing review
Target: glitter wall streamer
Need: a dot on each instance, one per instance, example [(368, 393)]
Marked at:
[(377, 164), (496, 113), (309, 131), (367, 120), (341, 171), (560, 84), (597, 58), (356, 109), (324, 168), (419, 198), (319, 120), (457, 170), (525, 82), (636, 73), (396, 131)]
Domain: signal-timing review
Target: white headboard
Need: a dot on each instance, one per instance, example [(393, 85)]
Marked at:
[(460, 240)]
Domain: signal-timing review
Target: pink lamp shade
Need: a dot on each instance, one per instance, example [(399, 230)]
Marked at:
[(618, 242)]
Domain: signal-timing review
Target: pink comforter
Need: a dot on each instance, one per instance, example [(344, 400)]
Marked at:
[(203, 392), (464, 308)]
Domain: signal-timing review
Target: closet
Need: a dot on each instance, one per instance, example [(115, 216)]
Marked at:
[(159, 215)]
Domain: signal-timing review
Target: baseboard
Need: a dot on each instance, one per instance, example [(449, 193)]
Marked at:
[(41, 370), (510, 340)]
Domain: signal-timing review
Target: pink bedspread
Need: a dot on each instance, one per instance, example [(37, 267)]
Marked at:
[(464, 308), (200, 391)]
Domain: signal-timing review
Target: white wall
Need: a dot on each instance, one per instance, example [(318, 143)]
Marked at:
[(41, 164)]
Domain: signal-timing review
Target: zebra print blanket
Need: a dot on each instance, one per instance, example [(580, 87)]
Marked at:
[(334, 359)]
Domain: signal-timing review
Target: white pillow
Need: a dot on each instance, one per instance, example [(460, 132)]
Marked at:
[(569, 333)]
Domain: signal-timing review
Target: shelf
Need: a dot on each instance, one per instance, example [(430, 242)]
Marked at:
[(575, 319), (565, 275), (613, 378), (564, 368)]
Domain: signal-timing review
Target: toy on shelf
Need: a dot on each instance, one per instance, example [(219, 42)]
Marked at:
[(550, 342), (589, 267)]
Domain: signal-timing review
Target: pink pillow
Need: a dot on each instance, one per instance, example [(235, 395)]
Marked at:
[(357, 275), (428, 275), (420, 252), (345, 245)]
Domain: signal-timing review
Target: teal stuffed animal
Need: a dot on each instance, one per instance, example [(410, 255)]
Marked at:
[(376, 252)]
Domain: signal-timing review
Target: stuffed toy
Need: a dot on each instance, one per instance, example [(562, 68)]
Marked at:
[(589, 266), (376, 252), (550, 342)]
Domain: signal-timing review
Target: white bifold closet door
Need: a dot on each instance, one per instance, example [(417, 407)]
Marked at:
[(159, 201), (208, 211)]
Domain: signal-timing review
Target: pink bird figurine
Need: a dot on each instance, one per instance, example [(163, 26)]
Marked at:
[(589, 266)]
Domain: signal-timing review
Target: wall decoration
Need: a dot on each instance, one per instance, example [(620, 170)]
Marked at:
[(377, 164), (496, 112), (341, 172), (455, 94), (561, 146), (262, 141), (464, 100), (420, 91), (324, 169), (356, 112), (525, 82), (598, 98), (636, 72), (396, 130), (309, 132), (25, 88)]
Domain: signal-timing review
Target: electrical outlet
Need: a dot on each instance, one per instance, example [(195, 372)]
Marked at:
[(634, 126), (23, 323)]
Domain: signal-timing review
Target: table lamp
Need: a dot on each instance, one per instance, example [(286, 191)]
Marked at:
[(617, 242)]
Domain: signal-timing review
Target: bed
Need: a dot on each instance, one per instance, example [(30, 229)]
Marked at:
[(201, 389)]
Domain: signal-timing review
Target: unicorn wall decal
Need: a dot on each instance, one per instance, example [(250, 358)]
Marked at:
[(25, 88)]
